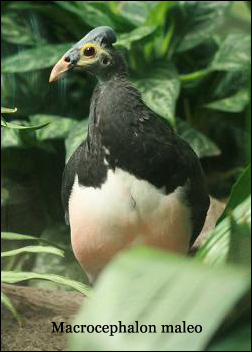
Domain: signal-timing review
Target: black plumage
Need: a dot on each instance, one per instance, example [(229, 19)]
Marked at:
[(139, 142)]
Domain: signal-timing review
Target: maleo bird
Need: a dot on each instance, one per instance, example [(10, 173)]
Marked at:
[(133, 180)]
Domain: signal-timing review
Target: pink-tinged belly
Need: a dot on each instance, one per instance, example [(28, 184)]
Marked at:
[(95, 245), (105, 221)]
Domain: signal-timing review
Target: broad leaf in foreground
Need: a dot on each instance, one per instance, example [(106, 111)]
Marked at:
[(156, 288), (240, 191), (216, 249)]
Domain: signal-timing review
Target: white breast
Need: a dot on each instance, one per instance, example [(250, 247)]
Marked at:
[(123, 212)]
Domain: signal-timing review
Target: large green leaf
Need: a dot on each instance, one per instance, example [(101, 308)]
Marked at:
[(160, 89), (200, 143), (248, 123), (10, 138), (198, 20), (240, 243), (234, 53), (19, 133), (91, 15), (34, 59), (33, 249), (12, 277), (9, 305), (236, 103), (153, 287), (59, 127), (111, 10), (224, 85), (76, 137), (216, 249), (14, 32), (126, 39), (240, 191), (135, 11), (157, 14)]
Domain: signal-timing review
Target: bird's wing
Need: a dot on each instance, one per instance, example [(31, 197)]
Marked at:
[(185, 164), (146, 146)]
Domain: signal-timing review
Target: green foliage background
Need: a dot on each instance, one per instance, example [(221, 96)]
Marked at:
[(192, 62)]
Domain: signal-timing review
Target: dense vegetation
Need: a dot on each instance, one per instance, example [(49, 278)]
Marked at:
[(192, 61)]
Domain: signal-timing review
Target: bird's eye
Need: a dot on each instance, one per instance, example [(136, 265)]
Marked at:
[(89, 51)]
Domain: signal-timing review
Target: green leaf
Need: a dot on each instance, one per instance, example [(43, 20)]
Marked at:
[(76, 137), (15, 33), (126, 39), (135, 11), (238, 339), (21, 127), (110, 9), (200, 19), (239, 193), (200, 143), (12, 277), (33, 249), (11, 236), (216, 248), (236, 103), (10, 138), (194, 75), (9, 305), (59, 127), (158, 13), (157, 288), (90, 14), (248, 123), (7, 110), (224, 85), (37, 58), (240, 243), (3, 122), (5, 196), (160, 90), (234, 53)]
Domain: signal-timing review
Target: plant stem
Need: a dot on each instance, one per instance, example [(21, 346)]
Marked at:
[(194, 75)]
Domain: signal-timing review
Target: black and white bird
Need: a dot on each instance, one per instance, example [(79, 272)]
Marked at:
[(132, 181)]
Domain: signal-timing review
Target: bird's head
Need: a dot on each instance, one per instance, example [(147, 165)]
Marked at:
[(94, 53)]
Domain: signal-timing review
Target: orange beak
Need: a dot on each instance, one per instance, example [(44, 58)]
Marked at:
[(58, 70)]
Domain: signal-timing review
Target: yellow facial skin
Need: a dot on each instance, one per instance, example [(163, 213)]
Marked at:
[(86, 59)]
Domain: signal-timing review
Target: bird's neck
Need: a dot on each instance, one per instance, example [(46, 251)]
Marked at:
[(112, 97)]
